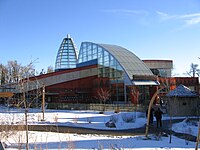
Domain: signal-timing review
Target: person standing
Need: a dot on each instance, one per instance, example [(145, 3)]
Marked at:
[(158, 114)]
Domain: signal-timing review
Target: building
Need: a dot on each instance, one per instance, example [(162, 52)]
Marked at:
[(99, 67), (99, 70), (183, 101), (161, 68), (124, 71)]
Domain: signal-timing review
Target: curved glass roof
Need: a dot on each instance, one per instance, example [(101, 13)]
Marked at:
[(66, 56), (129, 61), (114, 57)]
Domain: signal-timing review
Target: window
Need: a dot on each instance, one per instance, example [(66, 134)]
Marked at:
[(184, 103)]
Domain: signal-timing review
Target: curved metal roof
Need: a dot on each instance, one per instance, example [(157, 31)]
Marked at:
[(129, 61)]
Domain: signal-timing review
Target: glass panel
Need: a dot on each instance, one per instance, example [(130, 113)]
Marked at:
[(89, 47), (89, 52), (89, 57), (99, 50), (106, 63), (94, 56), (94, 49)]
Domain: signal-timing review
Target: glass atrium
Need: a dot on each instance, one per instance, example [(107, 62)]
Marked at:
[(115, 63), (66, 56)]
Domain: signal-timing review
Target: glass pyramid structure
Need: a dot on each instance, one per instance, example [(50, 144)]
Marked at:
[(66, 56)]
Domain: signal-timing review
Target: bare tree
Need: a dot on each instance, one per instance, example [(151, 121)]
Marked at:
[(19, 77), (2, 75), (193, 70), (50, 69), (24, 75), (104, 95), (13, 69), (13, 72)]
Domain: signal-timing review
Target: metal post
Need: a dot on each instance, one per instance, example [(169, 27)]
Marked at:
[(198, 137), (43, 101), (125, 95)]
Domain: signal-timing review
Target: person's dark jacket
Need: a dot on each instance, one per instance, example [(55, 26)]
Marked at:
[(158, 114)]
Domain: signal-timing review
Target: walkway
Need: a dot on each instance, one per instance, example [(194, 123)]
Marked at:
[(166, 129), (79, 130)]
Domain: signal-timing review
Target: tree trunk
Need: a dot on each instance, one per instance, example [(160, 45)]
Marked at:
[(26, 119), (149, 109)]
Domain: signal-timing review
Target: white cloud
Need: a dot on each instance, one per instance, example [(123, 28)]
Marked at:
[(165, 16), (191, 19), (138, 16), (191, 15), (188, 19), (127, 11)]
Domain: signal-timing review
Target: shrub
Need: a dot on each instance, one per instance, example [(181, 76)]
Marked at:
[(128, 118), (114, 118)]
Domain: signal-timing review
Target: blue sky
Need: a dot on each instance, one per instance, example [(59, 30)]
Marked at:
[(159, 29)]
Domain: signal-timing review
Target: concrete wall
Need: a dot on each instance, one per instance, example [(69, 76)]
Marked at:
[(98, 107)]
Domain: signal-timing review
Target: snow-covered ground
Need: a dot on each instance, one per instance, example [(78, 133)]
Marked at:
[(88, 119)]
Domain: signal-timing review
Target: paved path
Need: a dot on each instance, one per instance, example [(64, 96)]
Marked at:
[(166, 129), (79, 130)]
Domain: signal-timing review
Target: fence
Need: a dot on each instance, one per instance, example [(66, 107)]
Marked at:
[(98, 107)]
